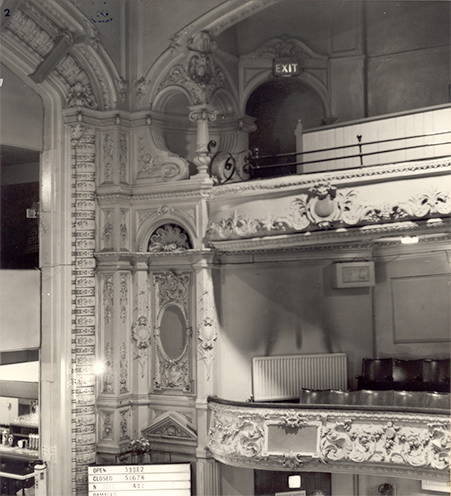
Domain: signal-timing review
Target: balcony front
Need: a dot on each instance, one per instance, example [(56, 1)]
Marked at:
[(407, 440)]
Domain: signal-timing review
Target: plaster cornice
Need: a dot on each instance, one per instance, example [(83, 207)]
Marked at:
[(336, 238), (372, 174)]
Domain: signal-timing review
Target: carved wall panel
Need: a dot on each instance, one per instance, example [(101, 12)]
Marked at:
[(173, 369), (107, 229), (124, 229), (107, 325), (415, 445), (155, 163), (325, 205)]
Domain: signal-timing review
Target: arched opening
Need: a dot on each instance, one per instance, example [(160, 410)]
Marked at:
[(176, 132), (21, 124), (277, 106)]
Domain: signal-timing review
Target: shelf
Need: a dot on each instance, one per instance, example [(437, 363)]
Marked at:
[(19, 453)]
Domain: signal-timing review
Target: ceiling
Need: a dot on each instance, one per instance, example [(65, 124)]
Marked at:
[(11, 155)]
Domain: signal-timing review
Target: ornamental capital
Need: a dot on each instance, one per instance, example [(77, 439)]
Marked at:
[(202, 113)]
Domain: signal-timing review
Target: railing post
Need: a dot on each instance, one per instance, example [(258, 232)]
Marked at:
[(299, 146)]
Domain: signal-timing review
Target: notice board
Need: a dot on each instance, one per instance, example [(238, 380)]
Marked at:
[(172, 479)]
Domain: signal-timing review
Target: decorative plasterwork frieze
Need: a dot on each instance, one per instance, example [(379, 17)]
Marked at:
[(338, 239), (85, 75), (323, 206), (30, 33), (401, 443)]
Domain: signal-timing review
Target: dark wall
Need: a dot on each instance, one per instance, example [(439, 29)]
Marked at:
[(384, 57), (277, 106), (19, 236)]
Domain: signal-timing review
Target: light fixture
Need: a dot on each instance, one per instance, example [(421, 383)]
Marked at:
[(409, 240), (98, 367)]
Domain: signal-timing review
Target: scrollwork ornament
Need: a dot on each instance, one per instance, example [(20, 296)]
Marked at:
[(173, 288), (123, 423), (107, 432), (123, 366), (141, 334), (207, 332), (80, 95)]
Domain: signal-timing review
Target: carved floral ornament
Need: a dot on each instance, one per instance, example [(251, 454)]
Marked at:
[(408, 441), (169, 238), (324, 206)]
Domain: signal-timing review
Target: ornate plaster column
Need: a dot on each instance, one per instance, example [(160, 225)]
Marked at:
[(202, 114), (115, 286), (141, 343), (83, 141), (208, 482)]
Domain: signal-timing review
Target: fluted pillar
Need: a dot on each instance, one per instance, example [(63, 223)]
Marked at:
[(207, 475)]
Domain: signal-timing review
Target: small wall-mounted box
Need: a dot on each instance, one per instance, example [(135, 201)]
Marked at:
[(353, 275)]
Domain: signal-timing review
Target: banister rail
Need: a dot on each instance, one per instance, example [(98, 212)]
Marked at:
[(255, 159)]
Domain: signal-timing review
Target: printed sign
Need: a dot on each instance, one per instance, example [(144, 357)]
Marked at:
[(285, 67), (139, 480)]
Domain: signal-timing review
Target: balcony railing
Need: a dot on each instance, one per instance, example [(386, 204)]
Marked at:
[(331, 438), (293, 163), (411, 136)]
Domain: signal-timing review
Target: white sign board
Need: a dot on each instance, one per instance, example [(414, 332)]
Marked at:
[(138, 480)]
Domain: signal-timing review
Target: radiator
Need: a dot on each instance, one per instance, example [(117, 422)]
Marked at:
[(282, 377)]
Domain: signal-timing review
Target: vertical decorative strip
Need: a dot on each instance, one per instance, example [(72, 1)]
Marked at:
[(83, 141), (108, 306)]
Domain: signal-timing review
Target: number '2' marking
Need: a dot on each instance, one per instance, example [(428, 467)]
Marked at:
[(6, 11)]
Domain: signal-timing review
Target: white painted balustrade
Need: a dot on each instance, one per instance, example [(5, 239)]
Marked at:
[(421, 133)]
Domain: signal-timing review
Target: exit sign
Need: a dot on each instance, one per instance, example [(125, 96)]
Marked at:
[(286, 67)]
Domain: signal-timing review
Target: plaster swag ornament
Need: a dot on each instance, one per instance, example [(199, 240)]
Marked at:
[(169, 238), (324, 206), (141, 335), (406, 441)]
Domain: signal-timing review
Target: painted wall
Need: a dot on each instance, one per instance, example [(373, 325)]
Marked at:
[(108, 18), (236, 481), (412, 306), (386, 56), (291, 308), (286, 308), (21, 113), (367, 485), (157, 22)]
